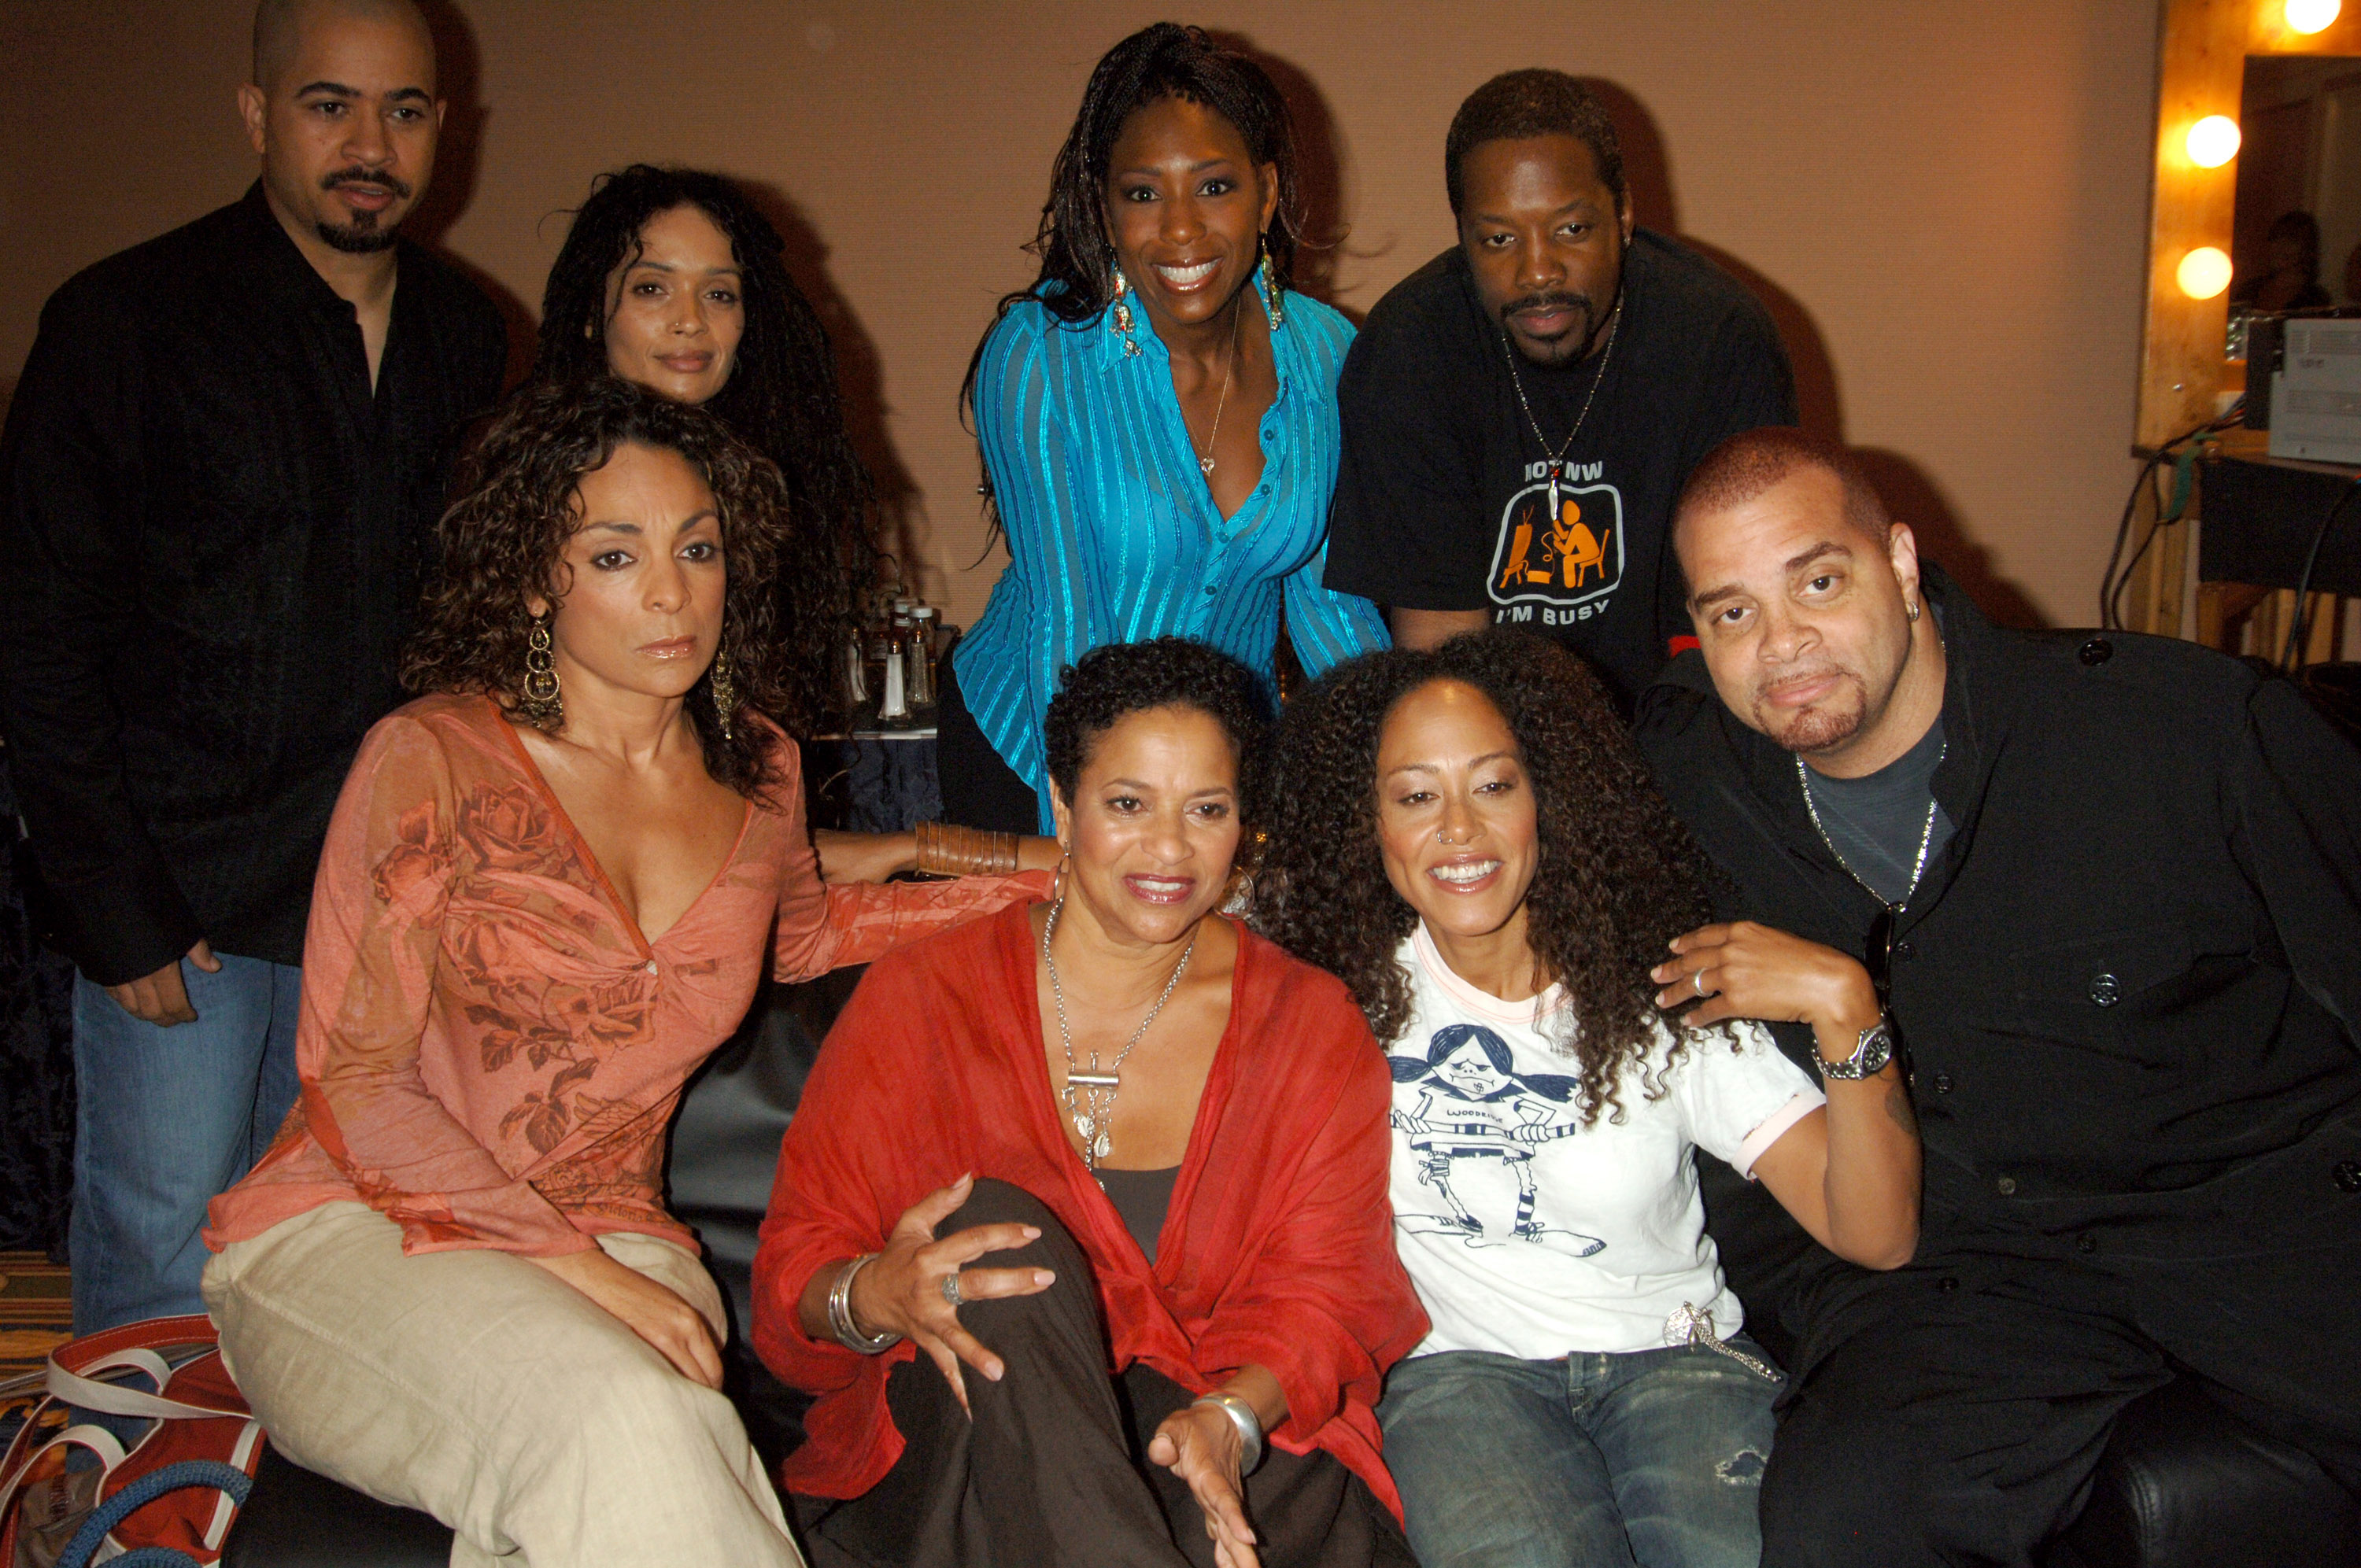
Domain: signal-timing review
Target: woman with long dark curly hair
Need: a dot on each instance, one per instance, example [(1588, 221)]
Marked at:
[(1469, 838), (546, 897), (670, 278), (1157, 413)]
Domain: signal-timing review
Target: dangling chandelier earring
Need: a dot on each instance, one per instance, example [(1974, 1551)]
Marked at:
[(725, 695), (1274, 307), (1119, 312), (540, 703)]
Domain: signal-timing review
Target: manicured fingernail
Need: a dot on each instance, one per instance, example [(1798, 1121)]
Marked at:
[(995, 1371), (1032, 1233), (1043, 1277)]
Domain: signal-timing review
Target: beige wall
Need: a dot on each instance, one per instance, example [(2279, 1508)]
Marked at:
[(1944, 203)]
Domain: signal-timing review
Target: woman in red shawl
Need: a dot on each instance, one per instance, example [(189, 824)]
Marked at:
[(1117, 1166)]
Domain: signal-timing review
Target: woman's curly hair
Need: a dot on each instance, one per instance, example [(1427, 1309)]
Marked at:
[(1616, 879), (1109, 684), (782, 394), (504, 542)]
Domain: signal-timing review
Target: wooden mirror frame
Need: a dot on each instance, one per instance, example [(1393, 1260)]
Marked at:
[(2200, 70)]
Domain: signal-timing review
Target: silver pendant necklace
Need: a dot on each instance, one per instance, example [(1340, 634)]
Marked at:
[(1205, 462), (1090, 1091), (1925, 835), (1557, 458)]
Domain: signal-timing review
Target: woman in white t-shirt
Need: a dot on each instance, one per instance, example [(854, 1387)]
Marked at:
[(1469, 839)]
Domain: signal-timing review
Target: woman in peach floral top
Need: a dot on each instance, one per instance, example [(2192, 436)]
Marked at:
[(546, 898)]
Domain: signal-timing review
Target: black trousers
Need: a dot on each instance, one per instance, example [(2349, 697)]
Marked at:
[(1051, 1472), (979, 788), (1953, 1412)]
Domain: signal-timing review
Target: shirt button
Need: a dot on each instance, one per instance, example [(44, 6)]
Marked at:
[(1905, 950), (2086, 1244), (2096, 652), (1948, 1284), (2007, 1185), (2106, 991), (2347, 1176), (1212, 590), (1942, 1083)]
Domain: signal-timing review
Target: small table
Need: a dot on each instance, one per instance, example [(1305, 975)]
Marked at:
[(2261, 515), (873, 781)]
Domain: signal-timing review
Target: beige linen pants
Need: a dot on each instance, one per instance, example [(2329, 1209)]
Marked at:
[(491, 1394)]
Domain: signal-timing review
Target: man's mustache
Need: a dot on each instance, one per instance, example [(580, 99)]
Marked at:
[(367, 179), (1546, 302)]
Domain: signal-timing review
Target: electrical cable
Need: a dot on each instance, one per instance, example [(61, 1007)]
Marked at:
[(2303, 580), (2111, 585)]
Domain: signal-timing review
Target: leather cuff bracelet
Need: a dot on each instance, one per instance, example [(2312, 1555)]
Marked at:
[(948, 850)]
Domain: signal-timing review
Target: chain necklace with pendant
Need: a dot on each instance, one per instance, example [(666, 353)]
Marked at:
[(1557, 458), (1100, 1085), (1205, 462)]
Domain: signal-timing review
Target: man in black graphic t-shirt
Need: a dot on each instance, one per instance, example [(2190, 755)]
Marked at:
[(1521, 412)]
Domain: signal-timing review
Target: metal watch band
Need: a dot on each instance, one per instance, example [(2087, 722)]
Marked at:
[(1870, 1052)]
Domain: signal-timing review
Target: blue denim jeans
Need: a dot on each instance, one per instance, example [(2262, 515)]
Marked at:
[(1653, 1458), (166, 1118)]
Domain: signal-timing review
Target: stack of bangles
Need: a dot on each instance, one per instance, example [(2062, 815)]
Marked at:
[(840, 1313), (947, 850)]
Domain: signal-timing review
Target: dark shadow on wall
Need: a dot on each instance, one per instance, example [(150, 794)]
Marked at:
[(1318, 171), (902, 529), (458, 159), (1909, 494)]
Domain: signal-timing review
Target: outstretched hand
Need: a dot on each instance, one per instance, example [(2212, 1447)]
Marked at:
[(1201, 1446), (901, 1290)]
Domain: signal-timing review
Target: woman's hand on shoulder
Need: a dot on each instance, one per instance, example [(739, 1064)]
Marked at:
[(654, 1312), (902, 1291), (1201, 1446)]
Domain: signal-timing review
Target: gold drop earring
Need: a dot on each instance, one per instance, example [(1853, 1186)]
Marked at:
[(1274, 309), (725, 694), (541, 704)]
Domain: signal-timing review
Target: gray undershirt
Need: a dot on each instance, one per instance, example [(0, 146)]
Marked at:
[(1875, 823)]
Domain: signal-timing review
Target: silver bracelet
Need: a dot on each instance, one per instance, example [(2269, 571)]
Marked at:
[(840, 1313), (1242, 1416)]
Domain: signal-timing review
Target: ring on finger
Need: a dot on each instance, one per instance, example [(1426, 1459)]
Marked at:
[(1698, 980), (951, 1289)]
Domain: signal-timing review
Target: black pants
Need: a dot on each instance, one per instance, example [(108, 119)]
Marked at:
[(979, 788), (1954, 1413), (1049, 1473)]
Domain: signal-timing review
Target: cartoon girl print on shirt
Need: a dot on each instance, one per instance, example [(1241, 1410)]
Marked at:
[(1475, 1126)]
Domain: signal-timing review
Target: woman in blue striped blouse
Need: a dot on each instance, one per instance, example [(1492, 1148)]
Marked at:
[(1157, 415)]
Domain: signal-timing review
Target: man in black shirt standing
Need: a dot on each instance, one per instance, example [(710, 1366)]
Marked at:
[(1519, 413), (218, 483), (2111, 889)]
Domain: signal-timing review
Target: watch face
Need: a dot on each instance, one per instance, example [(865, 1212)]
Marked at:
[(1876, 1050)]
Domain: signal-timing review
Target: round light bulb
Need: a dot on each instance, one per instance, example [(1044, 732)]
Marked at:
[(2213, 141), (2204, 272), (2311, 16)]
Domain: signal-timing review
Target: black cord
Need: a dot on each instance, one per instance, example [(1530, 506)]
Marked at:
[(2110, 585), (2304, 582)]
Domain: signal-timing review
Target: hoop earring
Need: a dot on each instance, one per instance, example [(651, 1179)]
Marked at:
[(1119, 312), (725, 694), (1058, 878), (541, 704), (1274, 307)]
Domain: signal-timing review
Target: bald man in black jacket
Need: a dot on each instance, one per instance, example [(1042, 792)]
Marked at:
[(2113, 885)]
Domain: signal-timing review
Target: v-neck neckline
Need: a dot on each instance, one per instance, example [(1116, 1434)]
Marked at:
[(540, 782), (1201, 1135)]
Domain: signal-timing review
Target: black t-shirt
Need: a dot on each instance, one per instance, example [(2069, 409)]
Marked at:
[(1877, 823), (1443, 491)]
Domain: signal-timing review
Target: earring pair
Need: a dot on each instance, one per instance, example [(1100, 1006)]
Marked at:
[(1274, 305)]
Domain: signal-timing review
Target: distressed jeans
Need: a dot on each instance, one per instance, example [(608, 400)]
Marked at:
[(1652, 1459)]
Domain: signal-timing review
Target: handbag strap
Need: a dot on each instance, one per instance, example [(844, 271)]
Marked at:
[(188, 1473), (114, 1399)]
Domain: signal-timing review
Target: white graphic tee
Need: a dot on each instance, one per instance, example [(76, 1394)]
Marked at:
[(1526, 1232)]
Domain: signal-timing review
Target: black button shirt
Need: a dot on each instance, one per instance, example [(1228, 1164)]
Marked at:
[(214, 531)]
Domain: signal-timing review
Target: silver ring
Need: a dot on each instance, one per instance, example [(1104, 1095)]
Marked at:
[(951, 1289), (1699, 978)]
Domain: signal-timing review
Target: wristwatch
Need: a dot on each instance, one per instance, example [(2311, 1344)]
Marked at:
[(1870, 1054)]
